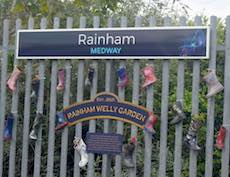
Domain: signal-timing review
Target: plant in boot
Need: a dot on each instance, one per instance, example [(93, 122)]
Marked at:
[(128, 150), (214, 85), (150, 123), (61, 80), (8, 129), (149, 76), (11, 83), (191, 137), (123, 77), (60, 121), (178, 110), (35, 86), (80, 146), (36, 125), (89, 79), (220, 138)]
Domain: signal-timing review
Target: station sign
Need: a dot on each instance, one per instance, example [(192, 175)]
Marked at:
[(115, 43)]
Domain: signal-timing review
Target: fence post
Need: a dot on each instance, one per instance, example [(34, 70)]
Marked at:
[(26, 120), (226, 119), (40, 105), (106, 159), (52, 113), (195, 108), (211, 105), (64, 138), (3, 87), (93, 92), (164, 113), (14, 109), (120, 124), (149, 106), (80, 93), (179, 126)]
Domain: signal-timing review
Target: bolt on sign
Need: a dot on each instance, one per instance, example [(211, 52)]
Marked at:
[(106, 106), (146, 42)]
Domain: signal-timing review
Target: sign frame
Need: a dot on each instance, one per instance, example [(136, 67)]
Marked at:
[(113, 56)]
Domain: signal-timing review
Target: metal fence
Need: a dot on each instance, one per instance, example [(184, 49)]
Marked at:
[(109, 165)]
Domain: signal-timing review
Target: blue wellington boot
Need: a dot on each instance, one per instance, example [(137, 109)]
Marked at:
[(60, 121), (123, 77), (7, 134)]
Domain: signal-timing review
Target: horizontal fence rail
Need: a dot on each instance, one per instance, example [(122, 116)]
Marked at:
[(161, 155)]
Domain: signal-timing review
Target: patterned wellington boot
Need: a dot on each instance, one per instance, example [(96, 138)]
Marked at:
[(89, 79), (61, 80), (123, 77), (178, 110), (36, 125), (150, 123), (220, 138), (128, 150), (11, 83), (80, 146), (191, 137), (213, 84), (149, 76), (60, 121), (35, 87), (8, 129)]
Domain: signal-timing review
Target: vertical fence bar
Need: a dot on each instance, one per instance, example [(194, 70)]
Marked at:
[(164, 113), (26, 120), (92, 125), (211, 104), (135, 98), (93, 92), (52, 114), (179, 126), (64, 138), (195, 109), (40, 105), (80, 93), (3, 87), (226, 119), (149, 106), (120, 124), (14, 109), (106, 159)]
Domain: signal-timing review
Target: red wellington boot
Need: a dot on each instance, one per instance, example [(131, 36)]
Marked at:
[(220, 138), (149, 75), (151, 121)]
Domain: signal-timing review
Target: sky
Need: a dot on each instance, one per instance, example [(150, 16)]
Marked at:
[(219, 8)]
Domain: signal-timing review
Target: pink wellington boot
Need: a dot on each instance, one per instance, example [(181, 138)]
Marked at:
[(149, 75), (61, 80), (11, 83), (212, 81)]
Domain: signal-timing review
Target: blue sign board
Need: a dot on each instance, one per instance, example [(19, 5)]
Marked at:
[(106, 106), (135, 43), (104, 143)]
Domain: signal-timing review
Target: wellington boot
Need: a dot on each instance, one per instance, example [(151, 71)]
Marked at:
[(11, 83), (80, 146)]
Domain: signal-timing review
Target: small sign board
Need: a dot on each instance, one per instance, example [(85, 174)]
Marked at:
[(106, 106), (104, 143), (101, 43)]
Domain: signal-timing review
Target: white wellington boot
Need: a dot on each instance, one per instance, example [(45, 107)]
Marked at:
[(80, 146)]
